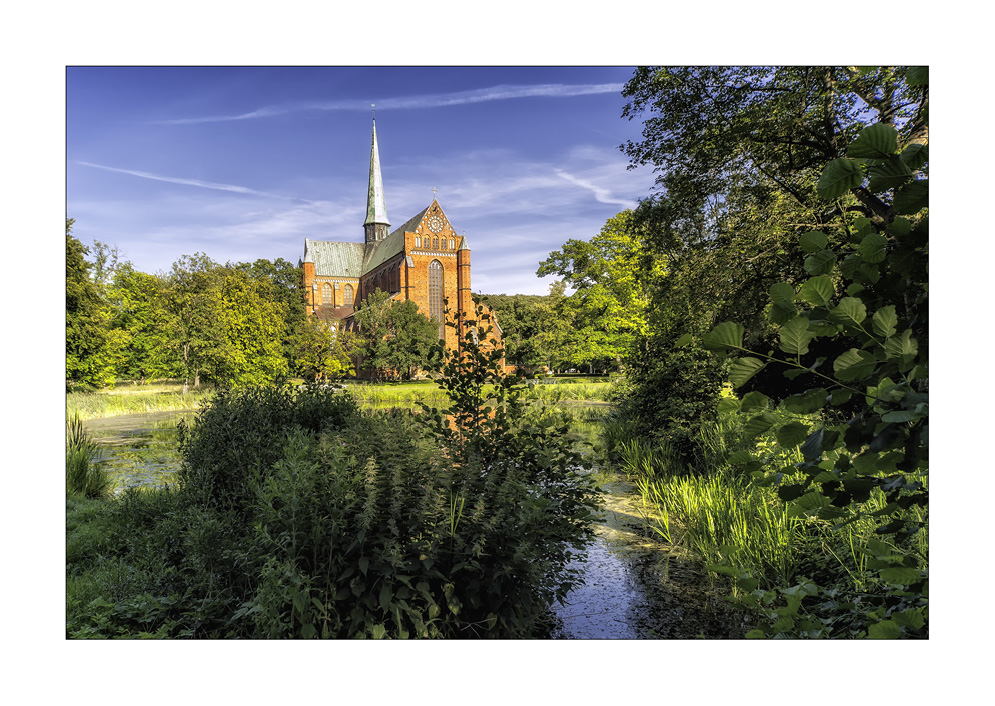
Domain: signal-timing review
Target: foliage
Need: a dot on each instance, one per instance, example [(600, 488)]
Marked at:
[(396, 337), (85, 474), (609, 275), (739, 152), (324, 352), (300, 516), (224, 323), (90, 346), (136, 302), (871, 294)]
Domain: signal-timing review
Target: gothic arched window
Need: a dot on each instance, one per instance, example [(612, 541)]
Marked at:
[(435, 295), (326, 293), (348, 295), (435, 243)]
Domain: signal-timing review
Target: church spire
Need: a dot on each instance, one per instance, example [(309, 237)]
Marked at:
[(376, 223)]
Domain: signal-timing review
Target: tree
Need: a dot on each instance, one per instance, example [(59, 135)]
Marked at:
[(739, 152), (879, 384), (137, 305), (89, 344), (612, 275), (396, 337), (324, 352), (225, 323)]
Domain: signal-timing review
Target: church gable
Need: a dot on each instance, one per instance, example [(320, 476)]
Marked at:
[(433, 231)]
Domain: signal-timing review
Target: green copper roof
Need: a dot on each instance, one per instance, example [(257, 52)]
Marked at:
[(376, 207), (334, 259)]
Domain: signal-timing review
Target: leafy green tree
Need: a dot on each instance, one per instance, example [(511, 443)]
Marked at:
[(250, 323), (90, 346), (871, 294), (136, 301), (285, 281), (324, 352), (396, 337), (740, 152), (610, 274), (224, 323)]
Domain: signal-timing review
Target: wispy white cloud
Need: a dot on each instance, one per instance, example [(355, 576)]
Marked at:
[(439, 100), (600, 193), (190, 182)]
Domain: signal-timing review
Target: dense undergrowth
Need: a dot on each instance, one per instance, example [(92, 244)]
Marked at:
[(301, 514)]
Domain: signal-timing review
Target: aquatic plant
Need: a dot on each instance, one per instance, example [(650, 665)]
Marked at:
[(85, 472)]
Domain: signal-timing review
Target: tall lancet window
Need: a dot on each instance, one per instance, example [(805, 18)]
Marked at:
[(435, 295), (348, 295), (326, 293)]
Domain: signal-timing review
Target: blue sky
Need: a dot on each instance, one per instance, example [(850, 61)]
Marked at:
[(244, 163)]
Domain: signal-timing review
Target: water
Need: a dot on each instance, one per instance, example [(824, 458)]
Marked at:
[(635, 586), (139, 450)]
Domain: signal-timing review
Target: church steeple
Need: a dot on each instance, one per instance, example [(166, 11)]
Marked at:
[(376, 224)]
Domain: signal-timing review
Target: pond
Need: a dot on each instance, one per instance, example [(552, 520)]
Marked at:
[(139, 450), (635, 586)]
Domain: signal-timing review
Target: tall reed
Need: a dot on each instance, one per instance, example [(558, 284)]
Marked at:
[(85, 472)]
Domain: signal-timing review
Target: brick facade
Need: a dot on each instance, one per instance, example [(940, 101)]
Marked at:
[(424, 261)]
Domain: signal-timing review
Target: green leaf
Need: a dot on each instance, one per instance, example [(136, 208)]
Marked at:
[(759, 424), (839, 177), (854, 365), (915, 155), (820, 263), (813, 241), (877, 141), (754, 400), (850, 310), (888, 175), (904, 415), (817, 291), (873, 247), (795, 336), (683, 340), (791, 434), (917, 76), (807, 503), (782, 292), (912, 197), (728, 405), (806, 402), (885, 320), (902, 347), (884, 630), (742, 369), (723, 337)]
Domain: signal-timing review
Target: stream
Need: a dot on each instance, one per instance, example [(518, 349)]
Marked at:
[(635, 586)]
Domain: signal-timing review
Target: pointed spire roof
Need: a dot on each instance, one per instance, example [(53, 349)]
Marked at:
[(376, 207)]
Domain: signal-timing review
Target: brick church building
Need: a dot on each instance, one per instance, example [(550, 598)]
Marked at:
[(424, 260)]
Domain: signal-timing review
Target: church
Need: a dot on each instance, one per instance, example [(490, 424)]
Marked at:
[(424, 260)]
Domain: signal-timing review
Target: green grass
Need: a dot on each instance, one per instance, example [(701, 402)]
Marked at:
[(134, 399)]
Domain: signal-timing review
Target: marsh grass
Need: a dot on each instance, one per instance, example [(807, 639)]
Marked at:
[(135, 399), (86, 474)]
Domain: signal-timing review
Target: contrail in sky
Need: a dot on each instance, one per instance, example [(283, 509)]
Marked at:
[(480, 95), (600, 194), (191, 182)]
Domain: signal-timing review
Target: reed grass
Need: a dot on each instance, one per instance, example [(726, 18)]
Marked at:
[(86, 475)]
